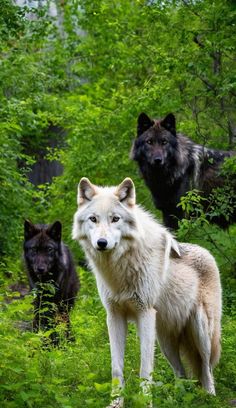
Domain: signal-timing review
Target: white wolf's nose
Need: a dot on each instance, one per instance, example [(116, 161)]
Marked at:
[(102, 243)]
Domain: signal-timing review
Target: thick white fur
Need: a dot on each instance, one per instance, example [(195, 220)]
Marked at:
[(169, 289)]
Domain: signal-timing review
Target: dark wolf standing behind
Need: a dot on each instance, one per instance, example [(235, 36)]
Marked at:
[(171, 165), (51, 273)]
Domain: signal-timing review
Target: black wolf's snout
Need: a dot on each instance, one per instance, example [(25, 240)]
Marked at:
[(158, 159), (102, 243), (41, 269)]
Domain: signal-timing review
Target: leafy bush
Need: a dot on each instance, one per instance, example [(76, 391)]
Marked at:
[(78, 374), (15, 191)]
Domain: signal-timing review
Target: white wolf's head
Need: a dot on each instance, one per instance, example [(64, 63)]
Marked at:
[(105, 215)]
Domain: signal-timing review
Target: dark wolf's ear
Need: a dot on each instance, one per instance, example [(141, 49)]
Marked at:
[(126, 192), (30, 230), (144, 123), (54, 231), (86, 191), (169, 123)]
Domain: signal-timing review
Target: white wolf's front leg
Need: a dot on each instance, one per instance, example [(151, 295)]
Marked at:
[(147, 333), (117, 329)]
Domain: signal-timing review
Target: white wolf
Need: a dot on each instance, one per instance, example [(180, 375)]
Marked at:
[(143, 274)]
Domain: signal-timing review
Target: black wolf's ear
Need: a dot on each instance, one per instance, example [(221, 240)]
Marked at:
[(86, 191), (169, 123), (54, 231), (30, 230), (144, 123), (126, 192)]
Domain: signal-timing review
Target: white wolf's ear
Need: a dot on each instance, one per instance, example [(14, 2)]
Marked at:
[(126, 192), (86, 191), (172, 249), (175, 249)]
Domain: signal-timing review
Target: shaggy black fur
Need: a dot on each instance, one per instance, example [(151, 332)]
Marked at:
[(171, 165), (51, 273)]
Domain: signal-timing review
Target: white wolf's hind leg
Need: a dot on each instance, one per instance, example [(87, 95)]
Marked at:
[(169, 344), (200, 331)]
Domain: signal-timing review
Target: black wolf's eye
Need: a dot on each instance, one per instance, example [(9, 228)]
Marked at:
[(33, 251), (150, 142), (164, 142), (115, 218), (50, 250), (93, 219)]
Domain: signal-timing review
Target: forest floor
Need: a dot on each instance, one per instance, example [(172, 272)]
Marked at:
[(77, 374)]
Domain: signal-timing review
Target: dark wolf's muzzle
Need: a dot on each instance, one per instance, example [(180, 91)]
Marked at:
[(41, 270), (158, 160)]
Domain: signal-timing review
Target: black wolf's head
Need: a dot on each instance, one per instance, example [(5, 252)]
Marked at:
[(156, 141), (42, 248)]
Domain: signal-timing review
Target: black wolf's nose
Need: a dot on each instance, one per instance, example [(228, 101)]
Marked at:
[(102, 243), (41, 269), (158, 160)]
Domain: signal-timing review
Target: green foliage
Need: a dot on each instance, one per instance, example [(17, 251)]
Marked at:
[(77, 374), (27, 77), (11, 21), (91, 71), (15, 191)]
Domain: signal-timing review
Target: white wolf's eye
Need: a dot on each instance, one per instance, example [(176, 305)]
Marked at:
[(115, 218), (93, 219)]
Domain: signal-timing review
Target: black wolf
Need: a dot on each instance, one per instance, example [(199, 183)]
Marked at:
[(171, 165), (51, 273)]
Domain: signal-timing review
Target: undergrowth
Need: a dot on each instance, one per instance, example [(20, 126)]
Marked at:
[(77, 374)]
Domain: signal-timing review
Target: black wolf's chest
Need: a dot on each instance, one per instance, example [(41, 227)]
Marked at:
[(166, 189)]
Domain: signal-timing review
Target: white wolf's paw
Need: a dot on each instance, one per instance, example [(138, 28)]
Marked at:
[(117, 403), (211, 390), (146, 391), (116, 394)]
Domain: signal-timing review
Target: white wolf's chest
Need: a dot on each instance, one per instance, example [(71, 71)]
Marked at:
[(132, 304), (130, 288)]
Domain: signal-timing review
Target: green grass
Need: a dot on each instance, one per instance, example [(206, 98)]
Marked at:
[(78, 374)]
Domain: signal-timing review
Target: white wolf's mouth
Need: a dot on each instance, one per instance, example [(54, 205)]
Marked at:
[(107, 248)]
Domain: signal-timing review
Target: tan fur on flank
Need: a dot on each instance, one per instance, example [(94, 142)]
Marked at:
[(143, 274)]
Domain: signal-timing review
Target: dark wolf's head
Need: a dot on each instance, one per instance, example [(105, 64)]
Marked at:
[(156, 141), (42, 248)]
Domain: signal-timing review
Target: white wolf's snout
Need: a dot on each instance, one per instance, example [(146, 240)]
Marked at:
[(102, 244), (104, 239)]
